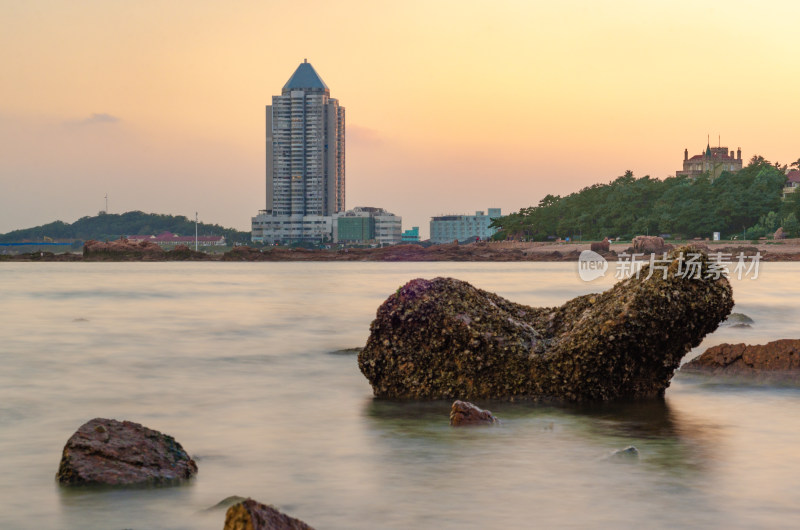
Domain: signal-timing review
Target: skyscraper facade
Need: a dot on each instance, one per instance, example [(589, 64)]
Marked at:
[(305, 146)]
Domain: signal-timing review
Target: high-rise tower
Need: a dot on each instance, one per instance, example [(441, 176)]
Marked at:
[(305, 160), (305, 148)]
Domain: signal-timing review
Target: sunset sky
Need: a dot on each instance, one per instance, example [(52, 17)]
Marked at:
[(452, 106)]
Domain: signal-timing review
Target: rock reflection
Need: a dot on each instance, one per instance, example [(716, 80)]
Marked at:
[(667, 437), (669, 440)]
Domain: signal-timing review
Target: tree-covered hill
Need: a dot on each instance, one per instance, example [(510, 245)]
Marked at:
[(113, 226), (748, 201)]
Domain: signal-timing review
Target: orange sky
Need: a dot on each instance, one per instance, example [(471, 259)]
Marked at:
[(452, 107)]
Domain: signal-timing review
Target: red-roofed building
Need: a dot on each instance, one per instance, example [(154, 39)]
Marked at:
[(792, 182), (169, 239), (713, 161)]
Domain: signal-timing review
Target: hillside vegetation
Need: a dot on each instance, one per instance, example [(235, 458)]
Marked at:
[(747, 203), (113, 226)]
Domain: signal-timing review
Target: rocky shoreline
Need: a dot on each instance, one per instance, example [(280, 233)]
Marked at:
[(504, 251), (778, 360), (445, 339)]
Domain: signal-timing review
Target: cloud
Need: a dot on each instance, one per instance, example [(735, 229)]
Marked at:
[(363, 135), (94, 119)]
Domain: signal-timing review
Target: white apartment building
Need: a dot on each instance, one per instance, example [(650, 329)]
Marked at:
[(305, 159), (448, 228)]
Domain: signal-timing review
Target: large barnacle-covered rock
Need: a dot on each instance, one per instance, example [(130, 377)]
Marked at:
[(444, 338)]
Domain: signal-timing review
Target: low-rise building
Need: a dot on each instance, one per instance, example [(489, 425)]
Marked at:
[(167, 239), (367, 224), (270, 229), (411, 235), (355, 229), (388, 228), (448, 228)]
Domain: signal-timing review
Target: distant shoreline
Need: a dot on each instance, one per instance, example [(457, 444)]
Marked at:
[(503, 251)]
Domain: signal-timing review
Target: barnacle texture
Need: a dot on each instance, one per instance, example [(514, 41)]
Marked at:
[(444, 338)]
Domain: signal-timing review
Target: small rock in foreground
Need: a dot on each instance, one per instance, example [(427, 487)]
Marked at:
[(465, 413), (780, 357), (114, 453), (252, 515)]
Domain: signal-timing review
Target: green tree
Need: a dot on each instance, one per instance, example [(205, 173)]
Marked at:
[(791, 225), (113, 226), (683, 206)]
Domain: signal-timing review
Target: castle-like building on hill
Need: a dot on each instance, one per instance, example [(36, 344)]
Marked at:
[(713, 161)]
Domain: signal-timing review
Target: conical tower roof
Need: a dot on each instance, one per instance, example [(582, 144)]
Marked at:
[(305, 78)]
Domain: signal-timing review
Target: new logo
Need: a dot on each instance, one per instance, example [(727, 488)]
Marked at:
[(591, 265)]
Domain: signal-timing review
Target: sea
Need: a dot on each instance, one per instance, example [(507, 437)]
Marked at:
[(245, 364)]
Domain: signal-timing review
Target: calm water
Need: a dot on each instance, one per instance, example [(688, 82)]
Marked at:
[(235, 361)]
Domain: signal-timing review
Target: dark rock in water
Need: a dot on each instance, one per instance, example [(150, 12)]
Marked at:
[(465, 413), (737, 320), (629, 453), (123, 453), (444, 338), (252, 515), (780, 357), (184, 253), (347, 351)]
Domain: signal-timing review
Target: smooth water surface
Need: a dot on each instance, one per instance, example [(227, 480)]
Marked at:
[(238, 362)]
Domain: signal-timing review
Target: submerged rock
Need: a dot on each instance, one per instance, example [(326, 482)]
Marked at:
[(444, 338), (226, 503), (465, 413), (629, 453), (252, 515), (347, 351), (779, 358), (738, 320), (123, 453)]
